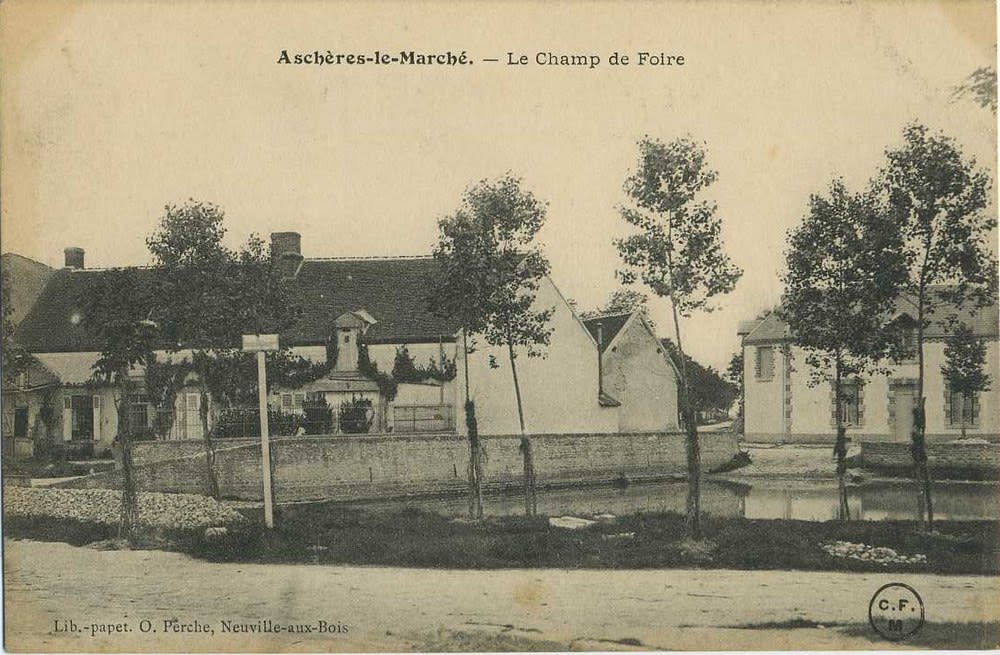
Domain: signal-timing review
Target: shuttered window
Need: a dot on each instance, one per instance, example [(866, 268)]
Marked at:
[(764, 364), (962, 409)]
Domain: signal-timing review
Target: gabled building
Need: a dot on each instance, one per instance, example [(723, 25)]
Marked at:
[(638, 377), (370, 308), (782, 406)]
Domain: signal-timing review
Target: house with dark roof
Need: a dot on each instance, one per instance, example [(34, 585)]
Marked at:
[(782, 406), (378, 304), (637, 374)]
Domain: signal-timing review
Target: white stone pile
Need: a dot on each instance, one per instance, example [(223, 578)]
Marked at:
[(875, 554), (170, 511)]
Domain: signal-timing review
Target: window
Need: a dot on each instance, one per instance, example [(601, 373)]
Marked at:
[(21, 423), (83, 416), (292, 400), (850, 399), (138, 413), (963, 409), (764, 365), (909, 354)]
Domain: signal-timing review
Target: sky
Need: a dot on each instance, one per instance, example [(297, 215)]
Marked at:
[(113, 110)]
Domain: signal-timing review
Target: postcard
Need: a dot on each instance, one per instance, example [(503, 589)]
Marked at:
[(499, 326)]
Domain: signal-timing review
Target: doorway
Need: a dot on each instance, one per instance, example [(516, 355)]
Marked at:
[(905, 398)]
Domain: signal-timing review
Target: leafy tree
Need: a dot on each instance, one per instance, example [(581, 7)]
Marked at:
[(114, 304), (208, 296), (709, 391), (938, 198), (677, 252), (844, 268), (490, 270), (964, 369)]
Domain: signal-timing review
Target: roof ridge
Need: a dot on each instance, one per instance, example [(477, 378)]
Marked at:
[(367, 258), (609, 315)]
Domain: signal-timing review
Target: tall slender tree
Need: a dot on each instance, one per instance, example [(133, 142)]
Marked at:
[(844, 266), (491, 269), (938, 198), (678, 253), (115, 306)]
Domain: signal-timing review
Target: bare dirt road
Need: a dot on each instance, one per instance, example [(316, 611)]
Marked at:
[(52, 587)]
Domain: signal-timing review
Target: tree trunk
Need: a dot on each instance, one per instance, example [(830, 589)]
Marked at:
[(475, 459), (965, 400), (213, 481), (129, 519), (693, 506), (918, 447), (840, 446), (530, 500)]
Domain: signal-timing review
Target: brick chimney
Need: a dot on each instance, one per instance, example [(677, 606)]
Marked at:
[(286, 247), (74, 258)]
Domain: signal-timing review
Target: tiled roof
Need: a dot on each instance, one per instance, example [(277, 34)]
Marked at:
[(611, 325), (985, 321), (394, 291)]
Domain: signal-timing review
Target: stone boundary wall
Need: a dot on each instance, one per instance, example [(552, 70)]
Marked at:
[(381, 466), (940, 438), (963, 459)]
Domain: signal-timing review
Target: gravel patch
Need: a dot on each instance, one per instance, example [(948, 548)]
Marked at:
[(103, 506)]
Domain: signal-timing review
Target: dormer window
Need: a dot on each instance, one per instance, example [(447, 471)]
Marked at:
[(909, 346), (350, 324)]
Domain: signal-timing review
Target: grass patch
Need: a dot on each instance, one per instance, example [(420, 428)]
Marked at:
[(941, 636), (329, 533)]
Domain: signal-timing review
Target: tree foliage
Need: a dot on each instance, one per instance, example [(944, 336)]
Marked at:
[(677, 251), (709, 390), (965, 362), (844, 268), (208, 294)]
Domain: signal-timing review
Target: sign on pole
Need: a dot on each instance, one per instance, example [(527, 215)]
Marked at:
[(261, 344)]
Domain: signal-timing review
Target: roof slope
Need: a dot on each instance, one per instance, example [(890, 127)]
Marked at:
[(985, 321), (611, 325), (27, 278), (394, 291)]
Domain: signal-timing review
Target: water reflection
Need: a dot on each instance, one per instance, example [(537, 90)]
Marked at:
[(802, 500)]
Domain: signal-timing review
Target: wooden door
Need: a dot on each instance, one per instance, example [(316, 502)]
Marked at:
[(905, 396)]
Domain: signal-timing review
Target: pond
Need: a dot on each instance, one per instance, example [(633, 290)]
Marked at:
[(788, 499)]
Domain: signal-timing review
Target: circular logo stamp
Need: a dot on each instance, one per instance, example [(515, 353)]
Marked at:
[(896, 611)]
